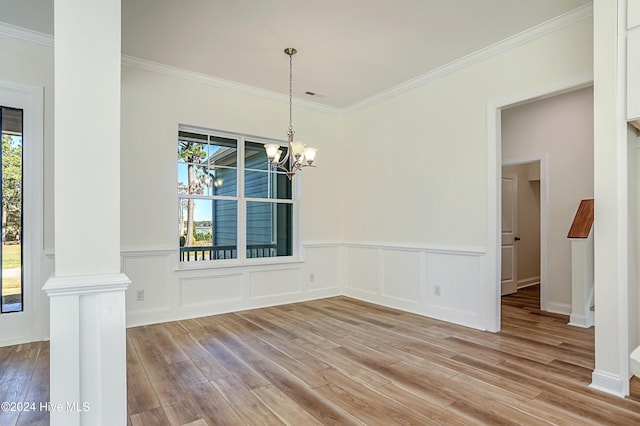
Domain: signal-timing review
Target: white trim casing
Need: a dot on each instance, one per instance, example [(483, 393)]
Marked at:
[(494, 166), (31, 100)]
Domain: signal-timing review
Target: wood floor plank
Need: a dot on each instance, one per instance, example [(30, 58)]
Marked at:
[(155, 416), (253, 409), (140, 393), (287, 410), (38, 389), (15, 379), (343, 361), (368, 405)]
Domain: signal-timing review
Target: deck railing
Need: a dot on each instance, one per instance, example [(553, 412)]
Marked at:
[(199, 253)]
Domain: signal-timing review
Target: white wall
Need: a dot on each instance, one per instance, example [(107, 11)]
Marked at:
[(153, 105), (425, 157), (633, 141), (31, 64), (560, 128), (410, 218)]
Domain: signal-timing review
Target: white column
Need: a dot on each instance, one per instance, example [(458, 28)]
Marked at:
[(611, 262), (88, 349)]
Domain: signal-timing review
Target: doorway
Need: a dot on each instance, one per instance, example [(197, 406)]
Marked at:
[(521, 226), (557, 130)]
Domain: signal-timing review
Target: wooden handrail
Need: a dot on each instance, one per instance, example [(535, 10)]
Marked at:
[(583, 220)]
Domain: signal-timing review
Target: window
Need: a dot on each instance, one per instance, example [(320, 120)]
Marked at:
[(11, 278), (232, 203)]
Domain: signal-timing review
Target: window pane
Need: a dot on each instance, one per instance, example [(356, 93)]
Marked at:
[(260, 178), (207, 165), (269, 229), (255, 157), (11, 188), (223, 181), (270, 185), (212, 233)]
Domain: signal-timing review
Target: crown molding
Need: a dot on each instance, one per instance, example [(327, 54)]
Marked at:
[(561, 21), (36, 37), (220, 83), (576, 15), (25, 34)]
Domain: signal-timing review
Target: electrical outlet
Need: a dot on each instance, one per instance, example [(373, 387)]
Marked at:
[(139, 295), (436, 290), (312, 277)]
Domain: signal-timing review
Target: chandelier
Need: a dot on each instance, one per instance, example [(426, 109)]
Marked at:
[(298, 155)]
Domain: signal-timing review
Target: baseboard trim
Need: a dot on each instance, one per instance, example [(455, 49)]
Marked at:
[(559, 308), (612, 384), (528, 282), (581, 321)]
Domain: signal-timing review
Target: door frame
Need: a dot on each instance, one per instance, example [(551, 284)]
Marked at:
[(31, 100), (543, 158), (491, 305)]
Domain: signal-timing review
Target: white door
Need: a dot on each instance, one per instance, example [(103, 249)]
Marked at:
[(21, 207), (509, 232)]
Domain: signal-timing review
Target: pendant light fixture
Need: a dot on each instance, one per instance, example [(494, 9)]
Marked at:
[(298, 155)]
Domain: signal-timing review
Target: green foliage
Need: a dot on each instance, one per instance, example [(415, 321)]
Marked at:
[(203, 236), (191, 152), (12, 186)]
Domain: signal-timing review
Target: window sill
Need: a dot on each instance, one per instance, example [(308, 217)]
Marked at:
[(252, 263)]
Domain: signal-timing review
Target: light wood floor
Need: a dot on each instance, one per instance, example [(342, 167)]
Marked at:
[(341, 361)]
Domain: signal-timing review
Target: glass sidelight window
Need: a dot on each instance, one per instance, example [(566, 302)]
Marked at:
[(11, 124)]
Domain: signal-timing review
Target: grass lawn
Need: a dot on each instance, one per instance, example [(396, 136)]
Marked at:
[(11, 259), (11, 256), (11, 285)]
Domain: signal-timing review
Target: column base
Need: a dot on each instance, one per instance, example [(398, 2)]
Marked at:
[(88, 363)]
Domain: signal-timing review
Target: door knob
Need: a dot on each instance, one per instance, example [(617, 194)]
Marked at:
[(517, 238)]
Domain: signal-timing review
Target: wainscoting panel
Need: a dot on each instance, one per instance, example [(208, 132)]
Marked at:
[(276, 282), (322, 267), (454, 287), (401, 275), (172, 293), (149, 274), (211, 290), (362, 269), (444, 283)]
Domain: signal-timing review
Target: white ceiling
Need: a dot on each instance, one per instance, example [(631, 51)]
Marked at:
[(348, 50)]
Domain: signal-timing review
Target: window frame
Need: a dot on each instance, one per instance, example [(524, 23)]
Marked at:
[(242, 201)]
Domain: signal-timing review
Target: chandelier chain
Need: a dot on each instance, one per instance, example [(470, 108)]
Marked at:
[(290, 93)]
